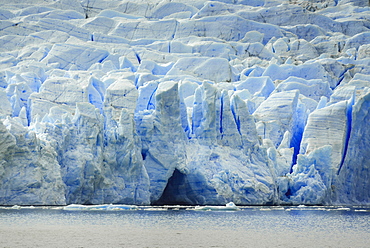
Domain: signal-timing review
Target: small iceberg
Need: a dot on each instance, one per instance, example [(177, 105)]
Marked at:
[(105, 207), (228, 207), (113, 207)]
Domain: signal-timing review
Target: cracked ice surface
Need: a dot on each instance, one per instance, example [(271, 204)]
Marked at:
[(166, 102)]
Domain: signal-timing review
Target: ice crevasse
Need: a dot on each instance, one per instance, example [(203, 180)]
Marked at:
[(197, 103)]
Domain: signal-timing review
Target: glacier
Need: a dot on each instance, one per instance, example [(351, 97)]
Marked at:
[(157, 102)]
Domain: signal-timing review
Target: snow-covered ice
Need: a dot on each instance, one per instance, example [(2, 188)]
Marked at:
[(196, 103)]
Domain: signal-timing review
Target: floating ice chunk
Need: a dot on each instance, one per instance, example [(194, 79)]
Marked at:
[(75, 207), (117, 207), (104, 207), (228, 207)]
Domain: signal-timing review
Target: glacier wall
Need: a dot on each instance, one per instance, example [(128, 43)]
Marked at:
[(165, 102)]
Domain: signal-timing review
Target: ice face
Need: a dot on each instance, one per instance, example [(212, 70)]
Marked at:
[(355, 166), (167, 102)]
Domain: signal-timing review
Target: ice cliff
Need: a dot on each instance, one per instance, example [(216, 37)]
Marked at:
[(184, 102)]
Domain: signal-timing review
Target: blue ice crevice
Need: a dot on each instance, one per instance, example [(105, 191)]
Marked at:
[(300, 120), (351, 102), (352, 183)]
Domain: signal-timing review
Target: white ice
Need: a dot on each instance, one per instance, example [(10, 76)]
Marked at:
[(195, 103)]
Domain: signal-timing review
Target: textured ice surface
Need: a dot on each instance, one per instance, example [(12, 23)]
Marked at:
[(166, 102)]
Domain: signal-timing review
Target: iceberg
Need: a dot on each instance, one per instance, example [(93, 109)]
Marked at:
[(228, 207), (108, 105), (104, 207)]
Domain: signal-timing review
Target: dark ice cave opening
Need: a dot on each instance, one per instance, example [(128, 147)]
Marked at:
[(177, 191)]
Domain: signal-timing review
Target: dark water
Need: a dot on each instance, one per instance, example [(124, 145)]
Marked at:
[(249, 227)]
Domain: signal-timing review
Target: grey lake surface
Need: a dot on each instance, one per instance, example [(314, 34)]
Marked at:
[(184, 227)]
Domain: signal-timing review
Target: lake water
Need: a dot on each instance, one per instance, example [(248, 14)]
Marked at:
[(162, 227)]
